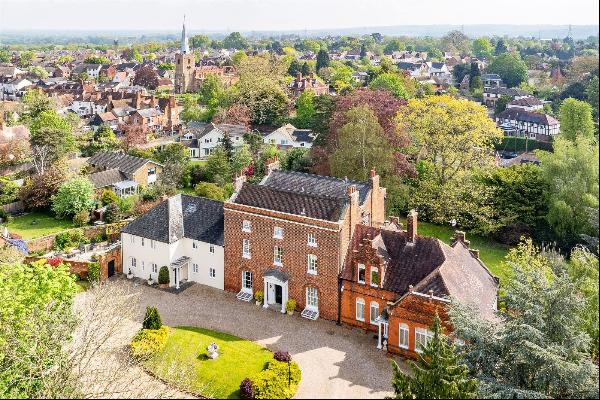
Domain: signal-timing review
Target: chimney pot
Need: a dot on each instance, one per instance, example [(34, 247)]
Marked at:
[(430, 293), (372, 173), (411, 225), (351, 189), (411, 288)]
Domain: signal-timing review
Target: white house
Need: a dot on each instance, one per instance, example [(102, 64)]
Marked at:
[(204, 139), (183, 233), (14, 89), (289, 136)]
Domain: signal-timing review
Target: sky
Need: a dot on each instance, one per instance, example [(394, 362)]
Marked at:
[(260, 15)]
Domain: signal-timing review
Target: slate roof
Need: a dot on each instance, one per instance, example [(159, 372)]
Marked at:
[(117, 160), (518, 114), (291, 202), (513, 92), (180, 216), (149, 112), (303, 135), (107, 178), (319, 185)]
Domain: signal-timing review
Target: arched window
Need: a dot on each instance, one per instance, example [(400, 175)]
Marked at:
[(403, 333), (360, 309)]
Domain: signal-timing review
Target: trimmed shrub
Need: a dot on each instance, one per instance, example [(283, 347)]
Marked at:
[(112, 213), (82, 218), (93, 274), (282, 356), (247, 389), (259, 296), (108, 197), (272, 383), (152, 319), (148, 342), (163, 275), (290, 305)]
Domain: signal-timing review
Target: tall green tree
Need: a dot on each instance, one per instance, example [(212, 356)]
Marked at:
[(305, 110), (576, 119), (218, 168), (73, 196), (361, 146), (482, 48), (235, 41), (392, 82), (437, 374), (174, 157), (322, 59), (571, 172), (511, 68), (53, 132), (538, 347)]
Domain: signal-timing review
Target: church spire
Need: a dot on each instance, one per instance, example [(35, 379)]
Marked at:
[(185, 47)]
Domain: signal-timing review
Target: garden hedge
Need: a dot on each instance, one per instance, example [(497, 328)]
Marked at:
[(148, 342), (272, 383)]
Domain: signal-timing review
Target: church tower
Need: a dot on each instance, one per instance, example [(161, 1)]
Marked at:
[(185, 65)]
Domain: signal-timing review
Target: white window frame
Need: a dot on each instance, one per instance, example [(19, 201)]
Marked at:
[(195, 268), (211, 248), (376, 270), (360, 302), (154, 268), (212, 272), (312, 264), (373, 305), (152, 244), (312, 298), (247, 280), (194, 244), (422, 337), (312, 240), (403, 336), (277, 232), (132, 239), (246, 226), (142, 242), (278, 256), (246, 251), (363, 268)]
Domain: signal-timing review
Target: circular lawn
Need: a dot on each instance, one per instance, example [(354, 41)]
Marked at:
[(184, 362)]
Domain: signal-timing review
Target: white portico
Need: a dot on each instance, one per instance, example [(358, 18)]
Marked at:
[(275, 289), (180, 270)]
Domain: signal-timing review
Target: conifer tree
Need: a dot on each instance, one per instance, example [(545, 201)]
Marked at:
[(437, 374)]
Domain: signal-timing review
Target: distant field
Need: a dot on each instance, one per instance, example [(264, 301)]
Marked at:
[(44, 225)]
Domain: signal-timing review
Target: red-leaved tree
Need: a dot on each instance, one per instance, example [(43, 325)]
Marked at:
[(237, 114), (385, 107)]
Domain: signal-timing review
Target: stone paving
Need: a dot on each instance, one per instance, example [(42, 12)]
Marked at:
[(336, 361)]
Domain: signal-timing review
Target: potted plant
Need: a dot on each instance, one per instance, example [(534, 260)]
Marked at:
[(259, 297), (163, 277), (129, 274), (290, 306), (150, 281)]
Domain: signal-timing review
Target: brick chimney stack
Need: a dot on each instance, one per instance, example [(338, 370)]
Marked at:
[(238, 182), (411, 226)]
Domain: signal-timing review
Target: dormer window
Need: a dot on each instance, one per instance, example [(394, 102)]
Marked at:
[(361, 273), (374, 277)]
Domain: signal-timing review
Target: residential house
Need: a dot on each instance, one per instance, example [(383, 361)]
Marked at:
[(360, 77), (148, 118), (184, 233), (122, 173), (529, 103), (92, 70), (202, 139), (533, 125), (288, 136), (394, 283), (438, 69), (492, 81), (414, 69), (492, 94), (300, 84), (15, 89), (287, 236)]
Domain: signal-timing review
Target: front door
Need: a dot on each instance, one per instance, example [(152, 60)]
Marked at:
[(278, 294), (111, 268)]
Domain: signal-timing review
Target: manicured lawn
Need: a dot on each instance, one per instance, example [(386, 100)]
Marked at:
[(198, 162), (184, 362), (491, 252), (46, 225)]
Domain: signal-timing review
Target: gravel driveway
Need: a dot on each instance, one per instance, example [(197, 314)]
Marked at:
[(336, 361)]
